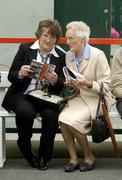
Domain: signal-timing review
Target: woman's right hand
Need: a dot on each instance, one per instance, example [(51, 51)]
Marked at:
[(26, 71), (70, 83)]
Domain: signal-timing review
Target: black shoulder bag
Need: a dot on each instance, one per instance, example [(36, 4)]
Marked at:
[(100, 131)]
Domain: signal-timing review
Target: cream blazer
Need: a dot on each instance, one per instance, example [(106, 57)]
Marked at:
[(97, 70), (116, 73)]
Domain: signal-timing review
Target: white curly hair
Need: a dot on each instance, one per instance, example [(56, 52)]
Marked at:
[(81, 28)]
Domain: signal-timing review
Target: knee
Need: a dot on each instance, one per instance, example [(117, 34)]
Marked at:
[(25, 114), (49, 116), (70, 128), (50, 123), (62, 125)]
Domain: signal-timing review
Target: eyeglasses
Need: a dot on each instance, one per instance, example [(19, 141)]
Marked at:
[(47, 36)]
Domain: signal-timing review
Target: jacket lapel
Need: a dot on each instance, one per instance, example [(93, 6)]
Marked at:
[(73, 65), (84, 64), (32, 54), (53, 60)]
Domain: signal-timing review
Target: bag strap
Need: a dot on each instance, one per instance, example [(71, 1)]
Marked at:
[(75, 92), (104, 102), (100, 98)]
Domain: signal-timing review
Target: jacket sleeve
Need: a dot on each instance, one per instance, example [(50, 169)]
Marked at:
[(18, 61), (116, 74), (102, 74)]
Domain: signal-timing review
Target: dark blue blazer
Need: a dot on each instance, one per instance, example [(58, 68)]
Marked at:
[(24, 56)]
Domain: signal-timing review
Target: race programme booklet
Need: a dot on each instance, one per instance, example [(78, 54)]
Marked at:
[(39, 69)]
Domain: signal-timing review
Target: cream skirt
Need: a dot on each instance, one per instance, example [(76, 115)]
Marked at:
[(77, 115)]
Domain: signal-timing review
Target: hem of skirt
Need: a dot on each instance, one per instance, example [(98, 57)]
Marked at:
[(84, 133)]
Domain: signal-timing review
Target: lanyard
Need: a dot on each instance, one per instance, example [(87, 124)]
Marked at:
[(44, 58)]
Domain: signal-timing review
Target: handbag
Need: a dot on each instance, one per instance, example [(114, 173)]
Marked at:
[(57, 102), (51, 100), (100, 131)]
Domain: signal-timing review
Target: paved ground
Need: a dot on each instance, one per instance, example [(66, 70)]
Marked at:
[(107, 167), (104, 149), (18, 169)]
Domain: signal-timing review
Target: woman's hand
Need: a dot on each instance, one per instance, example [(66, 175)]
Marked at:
[(52, 77), (70, 83), (82, 81), (26, 71)]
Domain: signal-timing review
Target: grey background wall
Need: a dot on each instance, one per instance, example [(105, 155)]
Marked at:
[(19, 18)]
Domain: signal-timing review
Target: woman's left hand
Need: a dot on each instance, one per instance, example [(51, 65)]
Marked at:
[(82, 81), (51, 77)]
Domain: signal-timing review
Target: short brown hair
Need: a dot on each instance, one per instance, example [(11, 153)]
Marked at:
[(54, 28)]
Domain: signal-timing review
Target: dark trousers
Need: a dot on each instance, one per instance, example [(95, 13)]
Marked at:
[(26, 111), (119, 106)]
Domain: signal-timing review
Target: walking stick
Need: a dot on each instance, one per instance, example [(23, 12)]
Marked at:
[(111, 132)]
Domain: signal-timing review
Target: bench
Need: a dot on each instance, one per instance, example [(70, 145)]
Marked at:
[(3, 130), (4, 84)]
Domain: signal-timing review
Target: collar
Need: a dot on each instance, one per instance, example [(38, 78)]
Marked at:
[(35, 45), (86, 53)]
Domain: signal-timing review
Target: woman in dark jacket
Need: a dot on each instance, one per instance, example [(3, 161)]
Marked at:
[(16, 99)]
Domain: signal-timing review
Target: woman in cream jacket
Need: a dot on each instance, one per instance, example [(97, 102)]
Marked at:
[(75, 120)]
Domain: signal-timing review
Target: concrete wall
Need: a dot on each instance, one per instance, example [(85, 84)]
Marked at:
[(19, 18)]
